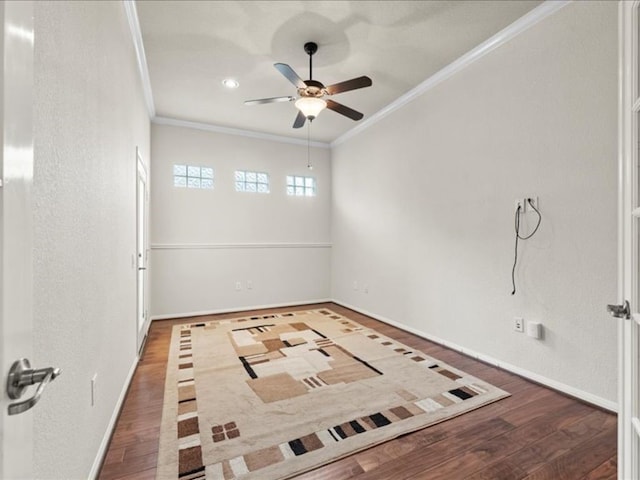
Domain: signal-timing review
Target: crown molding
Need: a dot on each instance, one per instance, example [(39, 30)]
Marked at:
[(174, 122), (546, 9), (522, 24), (136, 35)]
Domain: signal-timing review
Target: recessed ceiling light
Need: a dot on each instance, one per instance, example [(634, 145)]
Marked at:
[(230, 83)]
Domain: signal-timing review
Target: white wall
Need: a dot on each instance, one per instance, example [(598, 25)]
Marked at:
[(423, 204), (422, 214), (199, 237), (89, 118)]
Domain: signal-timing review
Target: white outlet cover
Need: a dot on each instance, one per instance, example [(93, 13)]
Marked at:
[(524, 201), (518, 324), (534, 200)]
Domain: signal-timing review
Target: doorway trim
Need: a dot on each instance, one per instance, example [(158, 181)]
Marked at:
[(142, 252), (628, 232)]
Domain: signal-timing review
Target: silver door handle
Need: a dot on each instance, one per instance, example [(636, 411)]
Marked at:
[(20, 377), (620, 311)]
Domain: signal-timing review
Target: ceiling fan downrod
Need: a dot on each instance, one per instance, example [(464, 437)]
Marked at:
[(310, 48)]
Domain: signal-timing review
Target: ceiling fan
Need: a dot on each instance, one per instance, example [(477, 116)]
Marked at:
[(311, 92)]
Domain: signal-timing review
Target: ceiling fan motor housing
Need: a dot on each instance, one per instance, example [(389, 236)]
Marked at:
[(313, 89)]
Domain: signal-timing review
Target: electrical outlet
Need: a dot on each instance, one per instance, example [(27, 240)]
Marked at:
[(365, 288), (94, 391), (520, 202), (238, 286), (249, 284), (518, 324)]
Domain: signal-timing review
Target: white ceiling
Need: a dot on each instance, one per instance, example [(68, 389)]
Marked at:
[(191, 46)]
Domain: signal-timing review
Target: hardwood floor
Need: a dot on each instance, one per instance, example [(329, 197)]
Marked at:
[(536, 433)]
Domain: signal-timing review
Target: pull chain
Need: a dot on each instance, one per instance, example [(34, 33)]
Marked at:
[(309, 166)]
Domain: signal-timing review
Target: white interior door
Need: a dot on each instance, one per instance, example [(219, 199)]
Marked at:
[(16, 162), (628, 311), (142, 250)]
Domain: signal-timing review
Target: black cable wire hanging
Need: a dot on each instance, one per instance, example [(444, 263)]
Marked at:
[(519, 237)]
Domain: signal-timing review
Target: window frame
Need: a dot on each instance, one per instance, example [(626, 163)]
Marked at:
[(193, 179), (244, 178), (293, 187)]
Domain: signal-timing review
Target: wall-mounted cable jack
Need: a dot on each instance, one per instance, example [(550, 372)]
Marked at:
[(527, 204)]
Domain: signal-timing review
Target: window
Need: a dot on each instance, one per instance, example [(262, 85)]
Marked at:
[(255, 182), (192, 177), (301, 186)]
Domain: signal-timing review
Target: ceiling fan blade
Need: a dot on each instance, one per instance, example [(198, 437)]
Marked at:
[(344, 110), (299, 121), (292, 76), (260, 101), (347, 85)]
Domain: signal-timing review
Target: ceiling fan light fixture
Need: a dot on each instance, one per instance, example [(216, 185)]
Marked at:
[(310, 106)]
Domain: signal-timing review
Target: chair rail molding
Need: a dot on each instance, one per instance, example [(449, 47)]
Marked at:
[(232, 246)]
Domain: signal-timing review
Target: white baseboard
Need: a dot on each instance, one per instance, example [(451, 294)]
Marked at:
[(237, 309), (102, 451), (554, 384), (569, 390), (574, 392)]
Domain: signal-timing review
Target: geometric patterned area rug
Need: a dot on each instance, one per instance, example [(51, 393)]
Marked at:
[(271, 396)]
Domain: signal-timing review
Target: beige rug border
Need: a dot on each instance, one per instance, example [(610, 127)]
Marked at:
[(167, 410), (407, 432)]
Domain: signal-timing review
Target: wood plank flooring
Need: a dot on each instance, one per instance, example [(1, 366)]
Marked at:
[(536, 433)]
